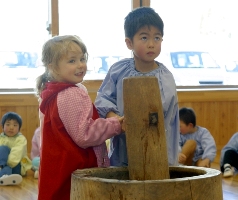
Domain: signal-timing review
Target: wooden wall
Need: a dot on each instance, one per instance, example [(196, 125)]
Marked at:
[(217, 110)]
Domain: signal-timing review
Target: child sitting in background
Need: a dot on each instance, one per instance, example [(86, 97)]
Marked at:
[(229, 156), (197, 144), (13, 150), (35, 152)]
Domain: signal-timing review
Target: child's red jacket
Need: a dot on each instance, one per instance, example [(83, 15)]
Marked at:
[(60, 156)]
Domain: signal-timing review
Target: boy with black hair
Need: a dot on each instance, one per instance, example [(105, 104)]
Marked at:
[(197, 145), (144, 30), (13, 150)]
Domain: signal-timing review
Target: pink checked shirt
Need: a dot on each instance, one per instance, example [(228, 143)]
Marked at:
[(76, 110)]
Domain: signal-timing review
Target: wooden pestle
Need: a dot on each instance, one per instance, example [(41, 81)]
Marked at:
[(145, 131)]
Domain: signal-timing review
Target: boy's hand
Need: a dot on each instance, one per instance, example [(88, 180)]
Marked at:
[(112, 114), (182, 158)]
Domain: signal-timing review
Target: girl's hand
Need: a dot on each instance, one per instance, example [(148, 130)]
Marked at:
[(121, 120), (123, 124)]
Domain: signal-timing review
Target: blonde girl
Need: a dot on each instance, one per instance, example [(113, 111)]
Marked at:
[(73, 136)]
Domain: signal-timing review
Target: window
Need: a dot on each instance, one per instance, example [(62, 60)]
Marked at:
[(23, 31), (195, 68), (204, 26), (101, 27), (201, 26)]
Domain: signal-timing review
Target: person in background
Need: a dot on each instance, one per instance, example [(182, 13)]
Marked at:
[(35, 152), (229, 157), (144, 30), (14, 162), (73, 136), (197, 145)]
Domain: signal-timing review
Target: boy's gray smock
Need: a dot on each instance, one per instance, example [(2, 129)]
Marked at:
[(206, 146), (110, 98)]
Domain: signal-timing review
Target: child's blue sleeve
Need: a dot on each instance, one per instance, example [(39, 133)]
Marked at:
[(106, 99), (209, 146)]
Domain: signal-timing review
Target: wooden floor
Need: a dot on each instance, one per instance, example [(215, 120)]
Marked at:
[(27, 190), (229, 185)]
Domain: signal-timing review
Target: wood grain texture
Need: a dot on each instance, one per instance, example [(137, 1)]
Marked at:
[(146, 142), (113, 183)]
